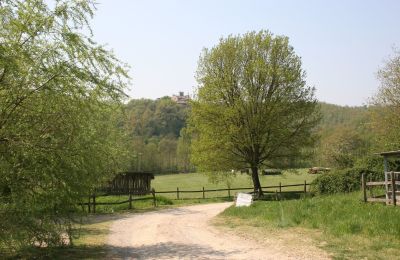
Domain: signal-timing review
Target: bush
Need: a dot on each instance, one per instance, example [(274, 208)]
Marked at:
[(372, 163), (346, 180)]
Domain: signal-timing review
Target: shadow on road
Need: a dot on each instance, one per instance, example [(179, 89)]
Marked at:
[(170, 250), (156, 251)]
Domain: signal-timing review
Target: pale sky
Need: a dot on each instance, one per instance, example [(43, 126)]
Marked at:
[(342, 43)]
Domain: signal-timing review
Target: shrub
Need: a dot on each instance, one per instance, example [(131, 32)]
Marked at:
[(346, 180), (372, 163)]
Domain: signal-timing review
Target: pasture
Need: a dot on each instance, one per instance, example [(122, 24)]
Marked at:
[(341, 224), (196, 182)]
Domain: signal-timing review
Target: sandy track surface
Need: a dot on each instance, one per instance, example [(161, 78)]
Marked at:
[(185, 233)]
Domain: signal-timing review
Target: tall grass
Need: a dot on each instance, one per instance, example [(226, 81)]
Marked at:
[(337, 214), (351, 227)]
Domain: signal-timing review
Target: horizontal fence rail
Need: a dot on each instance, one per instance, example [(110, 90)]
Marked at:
[(390, 187), (91, 204), (178, 191), (233, 189)]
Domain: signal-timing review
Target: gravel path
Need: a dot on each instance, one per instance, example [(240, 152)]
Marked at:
[(184, 233)]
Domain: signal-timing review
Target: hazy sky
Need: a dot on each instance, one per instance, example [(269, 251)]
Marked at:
[(342, 43)]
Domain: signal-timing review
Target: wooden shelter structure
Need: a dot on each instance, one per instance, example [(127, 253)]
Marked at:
[(125, 183), (392, 178), (129, 183), (391, 183)]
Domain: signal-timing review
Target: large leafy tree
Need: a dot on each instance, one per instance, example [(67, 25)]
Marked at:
[(386, 105), (60, 93), (253, 106)]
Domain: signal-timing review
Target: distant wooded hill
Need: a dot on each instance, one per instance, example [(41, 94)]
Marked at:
[(160, 142), (335, 115)]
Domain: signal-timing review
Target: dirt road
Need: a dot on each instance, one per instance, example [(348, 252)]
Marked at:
[(185, 233)]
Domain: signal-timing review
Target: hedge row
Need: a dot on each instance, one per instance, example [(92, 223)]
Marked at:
[(346, 180)]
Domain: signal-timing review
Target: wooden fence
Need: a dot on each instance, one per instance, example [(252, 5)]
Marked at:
[(278, 188), (391, 192), (91, 204)]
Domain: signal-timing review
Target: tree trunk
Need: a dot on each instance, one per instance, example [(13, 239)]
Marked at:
[(256, 182)]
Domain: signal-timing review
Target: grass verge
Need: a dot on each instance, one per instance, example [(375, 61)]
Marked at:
[(350, 229)]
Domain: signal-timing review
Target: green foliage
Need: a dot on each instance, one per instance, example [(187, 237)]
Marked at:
[(252, 105), (386, 109), (344, 136), (60, 98), (343, 147), (223, 177), (161, 117), (159, 141), (183, 151), (372, 163), (346, 180)]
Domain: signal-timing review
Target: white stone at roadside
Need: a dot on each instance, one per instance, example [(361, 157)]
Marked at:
[(243, 199)]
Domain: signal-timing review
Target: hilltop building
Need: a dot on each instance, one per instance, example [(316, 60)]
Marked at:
[(181, 98)]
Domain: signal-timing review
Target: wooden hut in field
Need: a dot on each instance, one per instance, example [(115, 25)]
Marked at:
[(134, 183), (391, 182), (392, 176)]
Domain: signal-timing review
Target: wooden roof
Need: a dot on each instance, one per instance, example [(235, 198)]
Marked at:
[(134, 174), (390, 153)]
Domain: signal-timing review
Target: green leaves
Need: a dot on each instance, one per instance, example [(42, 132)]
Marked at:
[(60, 100), (253, 105)]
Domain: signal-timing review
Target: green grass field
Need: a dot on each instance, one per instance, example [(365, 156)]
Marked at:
[(350, 228), (196, 181)]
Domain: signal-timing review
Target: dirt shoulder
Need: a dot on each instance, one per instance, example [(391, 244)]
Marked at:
[(186, 233)]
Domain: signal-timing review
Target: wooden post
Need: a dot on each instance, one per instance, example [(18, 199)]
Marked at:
[(386, 169), (94, 203), (305, 187), (130, 200), (204, 196), (280, 188), (393, 188), (364, 187), (154, 197), (177, 193), (229, 192), (276, 194), (89, 204)]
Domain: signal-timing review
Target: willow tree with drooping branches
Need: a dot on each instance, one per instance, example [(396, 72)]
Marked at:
[(60, 99)]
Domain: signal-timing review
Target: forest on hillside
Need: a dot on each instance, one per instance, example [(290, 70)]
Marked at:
[(160, 141)]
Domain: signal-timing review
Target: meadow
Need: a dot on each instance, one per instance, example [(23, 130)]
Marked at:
[(196, 182), (341, 224)]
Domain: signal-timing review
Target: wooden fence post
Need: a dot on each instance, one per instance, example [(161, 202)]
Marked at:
[(130, 200), (177, 193), (363, 187), (280, 188), (229, 192), (305, 187), (94, 203), (204, 196), (393, 188), (154, 197), (89, 204)]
